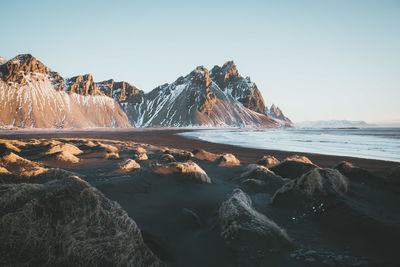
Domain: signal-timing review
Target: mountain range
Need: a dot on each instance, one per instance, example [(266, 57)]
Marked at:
[(333, 124), (34, 96)]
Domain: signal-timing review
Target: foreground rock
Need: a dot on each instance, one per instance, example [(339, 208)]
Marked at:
[(70, 224), (187, 171), (312, 188), (228, 160), (292, 168), (250, 233), (260, 176)]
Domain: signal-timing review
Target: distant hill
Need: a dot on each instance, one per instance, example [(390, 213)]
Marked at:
[(333, 124)]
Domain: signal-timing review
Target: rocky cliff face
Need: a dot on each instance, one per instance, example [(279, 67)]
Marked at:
[(197, 100), (241, 89), (277, 114), (218, 98), (33, 96), (121, 91)]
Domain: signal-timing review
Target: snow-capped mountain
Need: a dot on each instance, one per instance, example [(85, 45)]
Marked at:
[(333, 124), (33, 96), (202, 98), (276, 113)]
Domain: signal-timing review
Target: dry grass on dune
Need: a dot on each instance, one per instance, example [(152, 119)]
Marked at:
[(242, 226), (128, 165), (70, 224), (20, 166), (312, 187), (228, 160), (187, 171), (68, 148)]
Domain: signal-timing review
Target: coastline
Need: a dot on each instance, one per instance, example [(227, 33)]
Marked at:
[(168, 137)]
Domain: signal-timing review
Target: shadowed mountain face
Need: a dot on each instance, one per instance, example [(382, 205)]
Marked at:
[(33, 96), (202, 98), (241, 89)]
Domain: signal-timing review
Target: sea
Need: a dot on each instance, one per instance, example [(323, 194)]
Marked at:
[(371, 143)]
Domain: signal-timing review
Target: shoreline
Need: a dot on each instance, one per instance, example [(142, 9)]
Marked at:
[(168, 137)]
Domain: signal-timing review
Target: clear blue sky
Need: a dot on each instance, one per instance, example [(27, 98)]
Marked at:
[(327, 59)]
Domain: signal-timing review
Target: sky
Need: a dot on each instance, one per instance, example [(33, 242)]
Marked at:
[(317, 60)]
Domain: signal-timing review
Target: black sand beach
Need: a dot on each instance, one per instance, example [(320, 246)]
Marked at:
[(180, 220)]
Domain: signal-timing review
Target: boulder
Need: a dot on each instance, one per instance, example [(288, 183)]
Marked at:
[(228, 160), (292, 168), (268, 161), (70, 224), (187, 171), (312, 188), (258, 172)]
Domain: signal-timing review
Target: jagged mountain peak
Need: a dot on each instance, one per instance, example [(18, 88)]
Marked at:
[(276, 113), (32, 95), (20, 69), (83, 85), (241, 89), (225, 74), (120, 91), (2, 59)]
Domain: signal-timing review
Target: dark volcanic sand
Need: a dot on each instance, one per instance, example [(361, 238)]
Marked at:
[(156, 203)]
